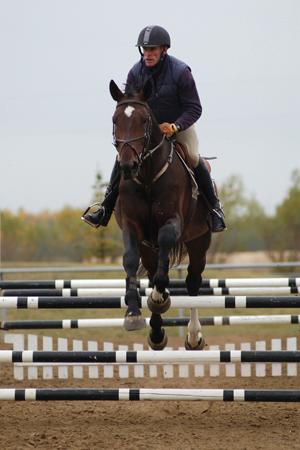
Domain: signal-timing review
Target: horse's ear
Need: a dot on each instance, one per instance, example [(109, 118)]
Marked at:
[(147, 90), (115, 92)]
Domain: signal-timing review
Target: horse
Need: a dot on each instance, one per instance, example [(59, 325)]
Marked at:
[(158, 212)]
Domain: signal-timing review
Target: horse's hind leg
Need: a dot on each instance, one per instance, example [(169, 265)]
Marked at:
[(159, 300), (133, 318), (197, 259), (194, 339)]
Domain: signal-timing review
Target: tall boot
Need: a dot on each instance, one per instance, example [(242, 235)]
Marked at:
[(206, 186), (100, 213)]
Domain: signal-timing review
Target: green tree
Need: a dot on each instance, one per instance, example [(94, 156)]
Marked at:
[(98, 188), (245, 218), (287, 221)]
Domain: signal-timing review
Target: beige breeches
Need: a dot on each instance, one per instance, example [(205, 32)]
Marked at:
[(190, 139)]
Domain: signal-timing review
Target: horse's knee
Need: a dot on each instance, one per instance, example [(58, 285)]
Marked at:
[(130, 261), (168, 235)]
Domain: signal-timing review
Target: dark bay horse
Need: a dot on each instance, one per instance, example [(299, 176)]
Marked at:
[(157, 213)]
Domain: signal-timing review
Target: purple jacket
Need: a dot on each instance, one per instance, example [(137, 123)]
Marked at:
[(174, 96)]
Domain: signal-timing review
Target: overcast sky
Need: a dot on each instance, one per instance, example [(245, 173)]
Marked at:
[(58, 56)]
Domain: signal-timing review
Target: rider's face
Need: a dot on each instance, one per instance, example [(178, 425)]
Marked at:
[(152, 55)]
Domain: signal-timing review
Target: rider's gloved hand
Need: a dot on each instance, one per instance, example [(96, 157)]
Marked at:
[(169, 129)]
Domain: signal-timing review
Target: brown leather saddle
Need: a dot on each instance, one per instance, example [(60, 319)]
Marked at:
[(182, 151)]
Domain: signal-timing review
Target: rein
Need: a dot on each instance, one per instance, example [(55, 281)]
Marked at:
[(145, 153)]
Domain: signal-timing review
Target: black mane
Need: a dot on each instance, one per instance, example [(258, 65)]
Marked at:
[(132, 89)]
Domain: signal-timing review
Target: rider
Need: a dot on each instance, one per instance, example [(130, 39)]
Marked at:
[(175, 104)]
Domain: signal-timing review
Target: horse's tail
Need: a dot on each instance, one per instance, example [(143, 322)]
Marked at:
[(177, 254)]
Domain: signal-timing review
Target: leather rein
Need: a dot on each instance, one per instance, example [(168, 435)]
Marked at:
[(146, 152)]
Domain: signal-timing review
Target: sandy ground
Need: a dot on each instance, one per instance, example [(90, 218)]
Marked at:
[(150, 425)]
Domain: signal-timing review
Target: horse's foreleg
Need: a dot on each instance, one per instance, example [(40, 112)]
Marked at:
[(157, 338), (133, 318), (159, 300)]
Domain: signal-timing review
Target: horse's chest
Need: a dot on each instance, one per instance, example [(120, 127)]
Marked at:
[(163, 210)]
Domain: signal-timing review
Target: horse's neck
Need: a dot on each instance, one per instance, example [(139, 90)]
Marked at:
[(154, 163), (156, 138)]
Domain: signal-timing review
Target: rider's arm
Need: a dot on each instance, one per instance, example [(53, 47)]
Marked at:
[(189, 99)]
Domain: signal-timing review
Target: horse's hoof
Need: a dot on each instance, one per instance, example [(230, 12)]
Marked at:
[(199, 345), (158, 345), (159, 306), (134, 323)]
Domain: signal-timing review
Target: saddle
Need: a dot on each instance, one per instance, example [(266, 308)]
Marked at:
[(182, 151), (183, 155)]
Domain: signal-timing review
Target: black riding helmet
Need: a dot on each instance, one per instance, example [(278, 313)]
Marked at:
[(153, 36)]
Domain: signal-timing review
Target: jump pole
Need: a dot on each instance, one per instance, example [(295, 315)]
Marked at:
[(166, 322), (119, 302), (114, 292), (149, 356), (123, 394), (144, 283)]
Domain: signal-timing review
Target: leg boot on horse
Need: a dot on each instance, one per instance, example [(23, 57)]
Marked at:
[(133, 319), (206, 186), (157, 338), (99, 214)]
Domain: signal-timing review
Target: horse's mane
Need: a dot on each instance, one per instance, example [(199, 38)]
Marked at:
[(132, 89)]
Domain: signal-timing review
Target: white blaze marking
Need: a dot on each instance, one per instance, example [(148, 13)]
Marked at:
[(129, 110)]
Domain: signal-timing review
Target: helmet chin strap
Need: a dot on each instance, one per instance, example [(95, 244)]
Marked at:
[(163, 54)]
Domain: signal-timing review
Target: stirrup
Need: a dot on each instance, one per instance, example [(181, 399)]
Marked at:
[(218, 220), (94, 217)]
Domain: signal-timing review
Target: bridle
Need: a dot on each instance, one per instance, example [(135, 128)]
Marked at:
[(146, 152)]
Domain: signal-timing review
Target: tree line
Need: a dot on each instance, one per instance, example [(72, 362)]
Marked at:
[(62, 236)]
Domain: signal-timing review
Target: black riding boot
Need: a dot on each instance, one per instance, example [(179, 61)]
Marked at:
[(100, 213), (206, 186)]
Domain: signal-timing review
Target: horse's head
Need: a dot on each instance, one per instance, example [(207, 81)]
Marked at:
[(132, 125)]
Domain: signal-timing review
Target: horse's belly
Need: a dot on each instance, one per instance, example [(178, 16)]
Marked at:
[(198, 223)]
